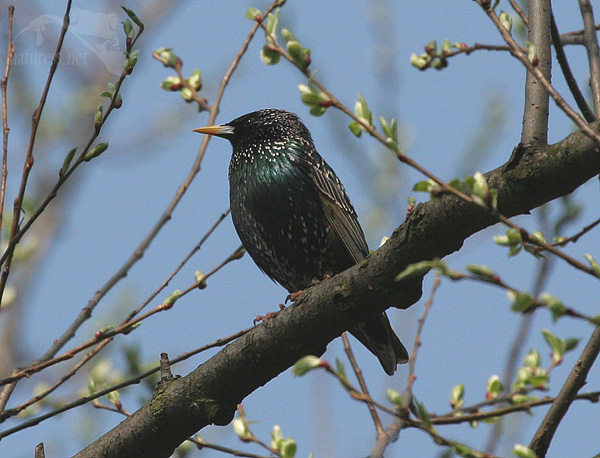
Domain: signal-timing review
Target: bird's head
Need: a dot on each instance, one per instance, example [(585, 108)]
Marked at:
[(259, 127)]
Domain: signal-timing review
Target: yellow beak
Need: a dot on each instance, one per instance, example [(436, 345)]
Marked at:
[(217, 130)]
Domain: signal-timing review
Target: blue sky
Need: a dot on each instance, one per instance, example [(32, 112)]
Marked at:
[(363, 48)]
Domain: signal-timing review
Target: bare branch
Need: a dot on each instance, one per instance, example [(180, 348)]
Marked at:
[(535, 112), (575, 381), (590, 40)]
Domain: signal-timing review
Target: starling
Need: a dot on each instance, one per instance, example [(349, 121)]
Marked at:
[(293, 215)]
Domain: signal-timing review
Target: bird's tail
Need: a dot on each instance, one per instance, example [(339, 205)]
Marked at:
[(377, 335)]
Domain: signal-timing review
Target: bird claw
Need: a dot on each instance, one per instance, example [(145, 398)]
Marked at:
[(293, 297), (268, 316), (264, 318)]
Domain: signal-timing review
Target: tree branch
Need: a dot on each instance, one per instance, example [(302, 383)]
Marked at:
[(210, 394), (535, 113), (575, 381)]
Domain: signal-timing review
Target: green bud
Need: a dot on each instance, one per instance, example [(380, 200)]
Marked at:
[(593, 264), (172, 298), (287, 35), (494, 387), (483, 272), (395, 398), (128, 28), (98, 115), (446, 47), (457, 396), (419, 61), (196, 80), (132, 59), (200, 279), (172, 83), (531, 52), (166, 56), (306, 364), (187, 94), (67, 162), (505, 20), (522, 451), (465, 452), (532, 359), (95, 151), (269, 56), (521, 302), (241, 429), (417, 269)]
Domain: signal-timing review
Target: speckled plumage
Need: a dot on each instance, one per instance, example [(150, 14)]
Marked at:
[(293, 216)]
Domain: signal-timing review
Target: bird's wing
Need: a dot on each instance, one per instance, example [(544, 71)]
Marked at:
[(339, 211)]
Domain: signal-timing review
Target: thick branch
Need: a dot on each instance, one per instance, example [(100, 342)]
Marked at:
[(535, 114), (209, 394)]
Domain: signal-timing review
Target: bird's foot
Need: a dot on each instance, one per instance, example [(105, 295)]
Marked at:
[(293, 297), (268, 316)]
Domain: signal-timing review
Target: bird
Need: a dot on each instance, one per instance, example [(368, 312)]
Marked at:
[(293, 215)]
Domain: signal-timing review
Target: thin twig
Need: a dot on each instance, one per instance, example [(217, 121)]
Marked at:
[(576, 236), (363, 385), (590, 41), (575, 381), (165, 217), (28, 163), (561, 56), (185, 260), (3, 85), (519, 11), (201, 444), (516, 51), (104, 336), (399, 423), (134, 380)]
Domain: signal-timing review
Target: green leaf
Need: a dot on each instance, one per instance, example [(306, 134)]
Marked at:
[(424, 186), (505, 20), (557, 308), (133, 17), (67, 162), (355, 128), (128, 28), (272, 21), (423, 415), (571, 344), (521, 302), (269, 56), (251, 13), (557, 344)]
